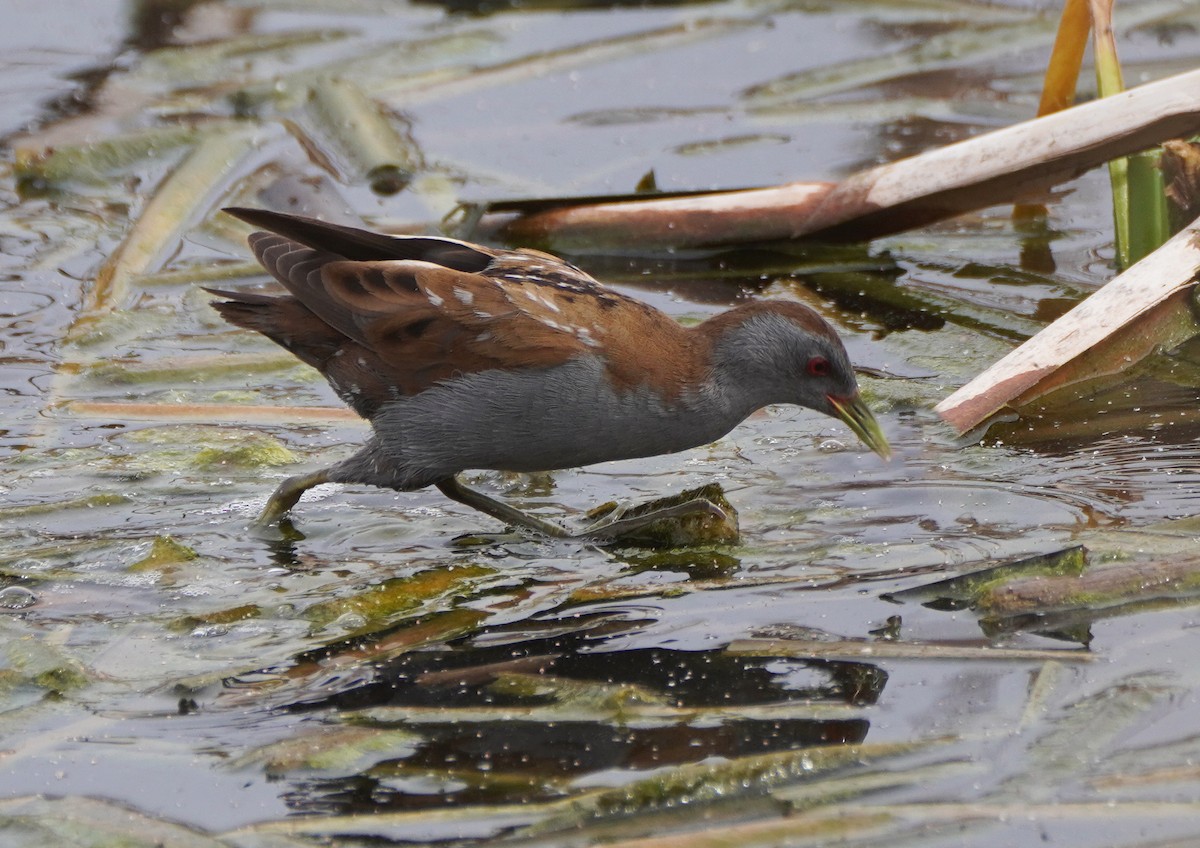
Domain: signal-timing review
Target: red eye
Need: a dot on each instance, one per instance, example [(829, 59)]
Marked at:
[(818, 366)]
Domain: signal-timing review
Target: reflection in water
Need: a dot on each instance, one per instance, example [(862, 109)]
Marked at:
[(519, 762), (466, 675), (463, 756)]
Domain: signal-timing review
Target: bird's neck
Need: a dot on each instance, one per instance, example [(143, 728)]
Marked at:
[(741, 376)]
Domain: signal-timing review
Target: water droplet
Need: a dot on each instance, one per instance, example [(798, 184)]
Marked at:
[(17, 597)]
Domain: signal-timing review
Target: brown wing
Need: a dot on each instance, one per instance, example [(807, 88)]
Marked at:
[(526, 310), (418, 310), (431, 323), (641, 345), (421, 322)]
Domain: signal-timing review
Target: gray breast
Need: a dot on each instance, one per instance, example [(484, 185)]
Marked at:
[(540, 419)]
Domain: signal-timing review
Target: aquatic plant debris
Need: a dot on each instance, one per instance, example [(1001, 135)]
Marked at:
[(164, 552), (696, 783), (1145, 309), (383, 601), (1001, 166), (329, 750), (688, 530), (965, 590)]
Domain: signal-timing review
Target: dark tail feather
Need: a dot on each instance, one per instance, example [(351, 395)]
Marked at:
[(284, 320), (362, 245), (263, 313), (241, 296)]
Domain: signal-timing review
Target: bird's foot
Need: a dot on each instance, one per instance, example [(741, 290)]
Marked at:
[(697, 516), (652, 527), (694, 520), (456, 491), (286, 496)]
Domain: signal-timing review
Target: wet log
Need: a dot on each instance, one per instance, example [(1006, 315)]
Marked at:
[(999, 167), (1148, 308)]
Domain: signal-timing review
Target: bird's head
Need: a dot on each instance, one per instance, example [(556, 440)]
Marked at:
[(782, 352)]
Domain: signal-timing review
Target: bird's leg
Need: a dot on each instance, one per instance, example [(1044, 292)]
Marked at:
[(456, 491), (288, 493), (604, 530), (617, 527)]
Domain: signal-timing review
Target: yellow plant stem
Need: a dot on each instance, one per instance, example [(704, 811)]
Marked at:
[(1062, 76)]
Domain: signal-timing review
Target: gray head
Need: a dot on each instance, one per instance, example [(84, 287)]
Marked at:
[(781, 352)]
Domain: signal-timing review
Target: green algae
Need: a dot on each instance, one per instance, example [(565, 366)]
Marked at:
[(31, 661), (698, 528), (331, 750), (615, 699), (104, 499), (367, 141), (385, 601), (262, 452), (180, 447), (967, 589), (164, 552), (707, 782), (231, 615), (189, 371), (42, 170)]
